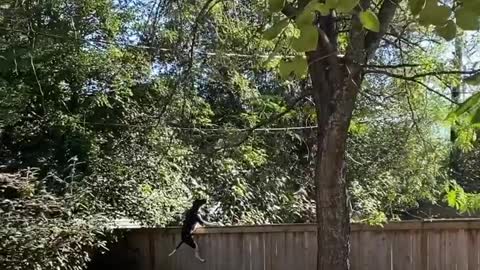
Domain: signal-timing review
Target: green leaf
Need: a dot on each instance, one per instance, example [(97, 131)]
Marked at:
[(285, 69), (467, 19), (346, 5), (275, 29), (369, 20), (472, 5), (300, 66), (276, 5), (331, 4), (452, 198), (476, 117), (436, 15), (473, 79), (308, 39), (306, 17), (448, 31), (320, 7), (416, 6), (467, 105)]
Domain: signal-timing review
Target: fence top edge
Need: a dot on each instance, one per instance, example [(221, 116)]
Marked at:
[(430, 224)]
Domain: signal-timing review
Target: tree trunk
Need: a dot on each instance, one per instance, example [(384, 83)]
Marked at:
[(335, 83), (333, 224)]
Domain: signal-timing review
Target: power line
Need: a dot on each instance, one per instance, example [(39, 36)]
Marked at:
[(201, 129), (146, 47)]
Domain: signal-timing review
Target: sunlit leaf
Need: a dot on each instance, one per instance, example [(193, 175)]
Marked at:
[(306, 17), (447, 31), (308, 39), (275, 29), (476, 117), (467, 19), (451, 198), (300, 66), (369, 20), (467, 105)]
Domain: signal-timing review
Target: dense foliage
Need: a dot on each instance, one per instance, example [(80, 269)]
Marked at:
[(126, 109)]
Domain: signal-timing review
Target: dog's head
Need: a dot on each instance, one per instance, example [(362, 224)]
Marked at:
[(199, 202)]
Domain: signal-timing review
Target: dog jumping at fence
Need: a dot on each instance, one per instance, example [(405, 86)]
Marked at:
[(190, 223)]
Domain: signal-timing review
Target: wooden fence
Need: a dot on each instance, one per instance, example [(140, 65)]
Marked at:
[(412, 245)]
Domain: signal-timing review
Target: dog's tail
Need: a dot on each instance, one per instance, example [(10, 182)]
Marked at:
[(175, 250)]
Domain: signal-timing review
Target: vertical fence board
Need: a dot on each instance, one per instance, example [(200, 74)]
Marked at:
[(434, 250), (473, 253), (401, 250)]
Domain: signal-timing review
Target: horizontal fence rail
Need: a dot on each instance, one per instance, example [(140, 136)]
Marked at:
[(409, 245)]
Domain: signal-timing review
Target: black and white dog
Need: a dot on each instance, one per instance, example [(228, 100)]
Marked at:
[(190, 223)]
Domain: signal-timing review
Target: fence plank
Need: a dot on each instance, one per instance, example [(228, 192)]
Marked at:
[(404, 245)]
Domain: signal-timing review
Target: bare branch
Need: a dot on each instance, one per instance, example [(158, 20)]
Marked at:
[(413, 79), (391, 66), (426, 74), (447, 72)]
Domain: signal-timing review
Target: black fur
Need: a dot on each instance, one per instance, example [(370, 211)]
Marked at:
[(192, 219)]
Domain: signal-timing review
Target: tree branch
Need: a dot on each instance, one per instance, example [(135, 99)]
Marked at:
[(426, 74), (391, 66), (385, 16), (413, 79)]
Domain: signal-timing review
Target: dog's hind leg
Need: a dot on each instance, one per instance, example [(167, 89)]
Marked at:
[(197, 253)]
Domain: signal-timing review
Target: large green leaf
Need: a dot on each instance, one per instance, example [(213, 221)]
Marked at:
[(447, 31), (476, 117), (285, 69), (467, 105), (300, 66), (275, 29), (473, 79), (306, 17), (331, 3), (320, 7), (276, 5), (308, 39), (467, 19), (436, 15), (369, 20), (416, 6), (472, 5), (297, 66)]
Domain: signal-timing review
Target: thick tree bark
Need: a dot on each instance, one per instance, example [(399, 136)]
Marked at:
[(334, 100), (335, 84)]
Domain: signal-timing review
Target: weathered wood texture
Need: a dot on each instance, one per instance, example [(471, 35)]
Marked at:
[(413, 245)]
